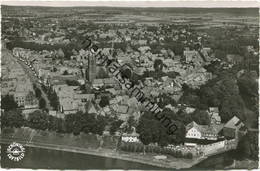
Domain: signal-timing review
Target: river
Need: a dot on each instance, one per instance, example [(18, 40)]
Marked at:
[(38, 158)]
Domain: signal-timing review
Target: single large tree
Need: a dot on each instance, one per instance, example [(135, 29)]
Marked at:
[(54, 101), (201, 117), (42, 103), (38, 92), (104, 101)]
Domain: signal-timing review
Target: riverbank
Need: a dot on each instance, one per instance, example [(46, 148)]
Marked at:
[(139, 158), (39, 158), (48, 142)]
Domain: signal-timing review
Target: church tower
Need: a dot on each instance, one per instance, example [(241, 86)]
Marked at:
[(91, 68), (90, 72)]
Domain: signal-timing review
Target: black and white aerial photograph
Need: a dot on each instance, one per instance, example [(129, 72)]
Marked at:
[(129, 85)]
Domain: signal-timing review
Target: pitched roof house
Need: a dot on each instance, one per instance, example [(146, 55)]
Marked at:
[(231, 128), (197, 131)]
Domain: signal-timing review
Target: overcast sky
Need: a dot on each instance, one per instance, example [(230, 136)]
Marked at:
[(121, 3)]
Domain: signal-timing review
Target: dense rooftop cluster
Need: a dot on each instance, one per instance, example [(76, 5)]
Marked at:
[(205, 79)]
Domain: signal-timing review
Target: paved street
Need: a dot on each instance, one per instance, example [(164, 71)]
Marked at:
[(34, 80)]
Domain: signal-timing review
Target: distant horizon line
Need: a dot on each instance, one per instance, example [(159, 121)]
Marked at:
[(135, 4), (250, 7)]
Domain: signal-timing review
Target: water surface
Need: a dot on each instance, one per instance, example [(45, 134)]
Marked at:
[(38, 158)]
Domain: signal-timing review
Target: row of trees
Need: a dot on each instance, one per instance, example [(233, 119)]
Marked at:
[(38, 94), (80, 122), (54, 100), (73, 123), (52, 96), (138, 147), (36, 120), (84, 122)]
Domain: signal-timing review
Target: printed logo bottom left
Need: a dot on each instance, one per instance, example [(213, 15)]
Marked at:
[(15, 151)]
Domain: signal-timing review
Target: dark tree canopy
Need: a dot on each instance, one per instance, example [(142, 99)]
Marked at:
[(38, 120), (72, 83), (201, 117), (54, 102), (8, 103), (104, 101), (42, 103), (248, 88), (131, 122), (222, 92), (38, 92), (84, 122), (248, 146), (153, 131), (158, 65), (115, 125), (55, 124), (12, 118)]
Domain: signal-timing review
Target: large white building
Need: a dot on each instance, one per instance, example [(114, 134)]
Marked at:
[(196, 131)]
